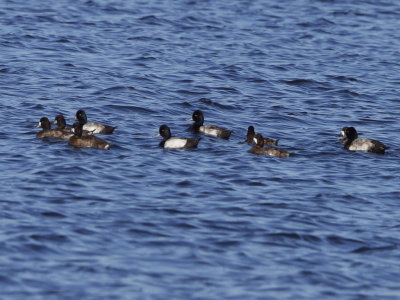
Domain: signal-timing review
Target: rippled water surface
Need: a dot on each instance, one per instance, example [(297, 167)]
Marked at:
[(140, 222)]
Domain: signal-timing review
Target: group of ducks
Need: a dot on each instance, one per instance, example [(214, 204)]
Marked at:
[(82, 135)]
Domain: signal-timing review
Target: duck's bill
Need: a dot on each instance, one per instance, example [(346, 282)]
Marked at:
[(341, 134), (54, 122), (38, 125), (189, 119)]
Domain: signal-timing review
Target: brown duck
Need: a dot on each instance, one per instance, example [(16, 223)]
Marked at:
[(259, 148), (251, 135), (47, 132), (89, 141)]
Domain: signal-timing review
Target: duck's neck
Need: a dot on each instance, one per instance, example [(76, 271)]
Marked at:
[(166, 135), (250, 137), (348, 141), (197, 124), (61, 125), (82, 120), (78, 131), (46, 127)]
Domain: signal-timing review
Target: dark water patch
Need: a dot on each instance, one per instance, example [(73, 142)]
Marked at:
[(347, 92), (52, 214), (309, 83), (317, 23), (143, 58), (342, 241), (146, 38), (114, 89), (84, 231), (371, 250), (191, 92), (257, 80), (7, 280), (151, 20), (147, 233), (49, 238), (37, 248), (215, 103), (177, 212), (342, 78)]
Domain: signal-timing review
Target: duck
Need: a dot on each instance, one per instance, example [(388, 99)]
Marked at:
[(92, 127), (353, 143), (90, 141), (61, 125), (259, 148), (212, 130), (59, 120), (251, 134), (175, 142), (47, 132)]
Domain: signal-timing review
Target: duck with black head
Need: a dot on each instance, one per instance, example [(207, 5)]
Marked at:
[(171, 142), (353, 143), (250, 137), (47, 132), (92, 126), (89, 141), (259, 148), (62, 125), (213, 130)]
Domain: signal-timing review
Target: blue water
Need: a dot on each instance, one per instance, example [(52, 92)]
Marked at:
[(140, 222)]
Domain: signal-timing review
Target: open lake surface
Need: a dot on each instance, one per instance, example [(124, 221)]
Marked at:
[(216, 222)]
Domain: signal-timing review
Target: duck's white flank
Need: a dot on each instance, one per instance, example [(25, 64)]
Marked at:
[(362, 145), (93, 127), (209, 129), (175, 143)]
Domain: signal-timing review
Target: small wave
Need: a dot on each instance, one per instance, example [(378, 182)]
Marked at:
[(147, 233), (49, 237), (62, 41), (365, 249), (317, 23), (187, 92), (130, 108), (338, 240), (143, 58), (151, 20), (52, 214), (342, 78), (347, 92), (300, 82), (227, 89), (213, 103), (146, 38), (113, 88)]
